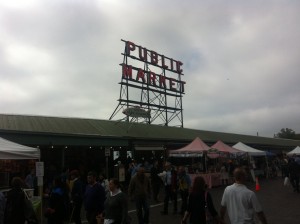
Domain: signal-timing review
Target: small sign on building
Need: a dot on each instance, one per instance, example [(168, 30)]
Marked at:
[(107, 152)]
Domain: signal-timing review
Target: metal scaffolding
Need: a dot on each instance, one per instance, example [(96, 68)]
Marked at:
[(165, 104)]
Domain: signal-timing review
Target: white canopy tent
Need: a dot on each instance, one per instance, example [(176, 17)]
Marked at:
[(295, 151), (251, 151), (15, 151)]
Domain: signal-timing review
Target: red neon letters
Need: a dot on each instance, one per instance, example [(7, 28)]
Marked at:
[(149, 77), (155, 58)]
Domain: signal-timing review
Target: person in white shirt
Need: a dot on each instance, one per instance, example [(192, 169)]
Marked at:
[(241, 203)]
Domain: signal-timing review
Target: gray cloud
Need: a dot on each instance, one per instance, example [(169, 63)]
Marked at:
[(61, 58)]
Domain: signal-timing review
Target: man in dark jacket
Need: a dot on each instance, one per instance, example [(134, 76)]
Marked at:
[(156, 181), (94, 198), (294, 170), (139, 190), (77, 192)]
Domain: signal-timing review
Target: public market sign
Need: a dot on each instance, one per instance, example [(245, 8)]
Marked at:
[(145, 76)]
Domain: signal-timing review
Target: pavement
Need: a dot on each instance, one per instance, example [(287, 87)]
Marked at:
[(280, 204)]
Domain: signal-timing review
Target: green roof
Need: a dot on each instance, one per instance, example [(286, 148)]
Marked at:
[(119, 129)]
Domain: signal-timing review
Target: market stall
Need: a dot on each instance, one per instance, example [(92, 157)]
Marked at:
[(252, 153), (211, 179), (197, 148), (295, 151), (13, 158), (15, 151), (225, 149)]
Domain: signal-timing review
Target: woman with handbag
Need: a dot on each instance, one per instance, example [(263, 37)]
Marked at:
[(200, 207)]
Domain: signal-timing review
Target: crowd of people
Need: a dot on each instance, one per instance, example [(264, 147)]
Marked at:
[(106, 201)]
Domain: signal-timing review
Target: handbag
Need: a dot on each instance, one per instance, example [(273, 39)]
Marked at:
[(286, 182), (209, 217)]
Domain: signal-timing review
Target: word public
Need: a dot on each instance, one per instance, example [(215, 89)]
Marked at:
[(149, 77)]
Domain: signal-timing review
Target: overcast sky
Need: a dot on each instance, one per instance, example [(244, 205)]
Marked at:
[(241, 59)]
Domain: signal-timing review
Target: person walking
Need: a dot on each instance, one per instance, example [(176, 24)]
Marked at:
[(14, 208), (2, 207), (184, 185), (224, 174), (93, 198), (155, 180), (77, 191), (104, 182), (115, 205), (139, 190), (294, 170), (170, 181), (57, 209), (198, 199), (241, 203), (31, 181)]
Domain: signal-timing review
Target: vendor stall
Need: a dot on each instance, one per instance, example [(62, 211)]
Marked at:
[(211, 179), (251, 154), (225, 149), (295, 151), (195, 149), (12, 157)]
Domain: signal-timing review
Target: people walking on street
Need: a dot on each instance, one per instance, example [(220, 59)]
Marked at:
[(93, 198), (31, 181), (284, 167), (294, 171), (56, 211), (139, 190), (104, 182), (2, 207), (133, 167), (184, 185), (156, 181), (77, 191), (198, 200), (14, 209), (115, 205), (171, 186), (241, 203), (224, 174)]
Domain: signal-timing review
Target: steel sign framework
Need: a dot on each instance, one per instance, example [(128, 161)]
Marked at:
[(150, 83)]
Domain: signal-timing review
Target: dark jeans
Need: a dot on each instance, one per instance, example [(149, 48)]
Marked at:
[(295, 182), (170, 194), (75, 213), (91, 217), (184, 197), (142, 210), (156, 188)]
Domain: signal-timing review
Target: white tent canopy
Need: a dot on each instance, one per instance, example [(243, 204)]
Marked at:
[(251, 151), (12, 150), (295, 151)]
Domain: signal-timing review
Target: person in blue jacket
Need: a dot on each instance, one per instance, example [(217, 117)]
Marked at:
[(94, 198)]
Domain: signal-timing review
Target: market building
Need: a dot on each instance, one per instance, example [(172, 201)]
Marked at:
[(100, 144)]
